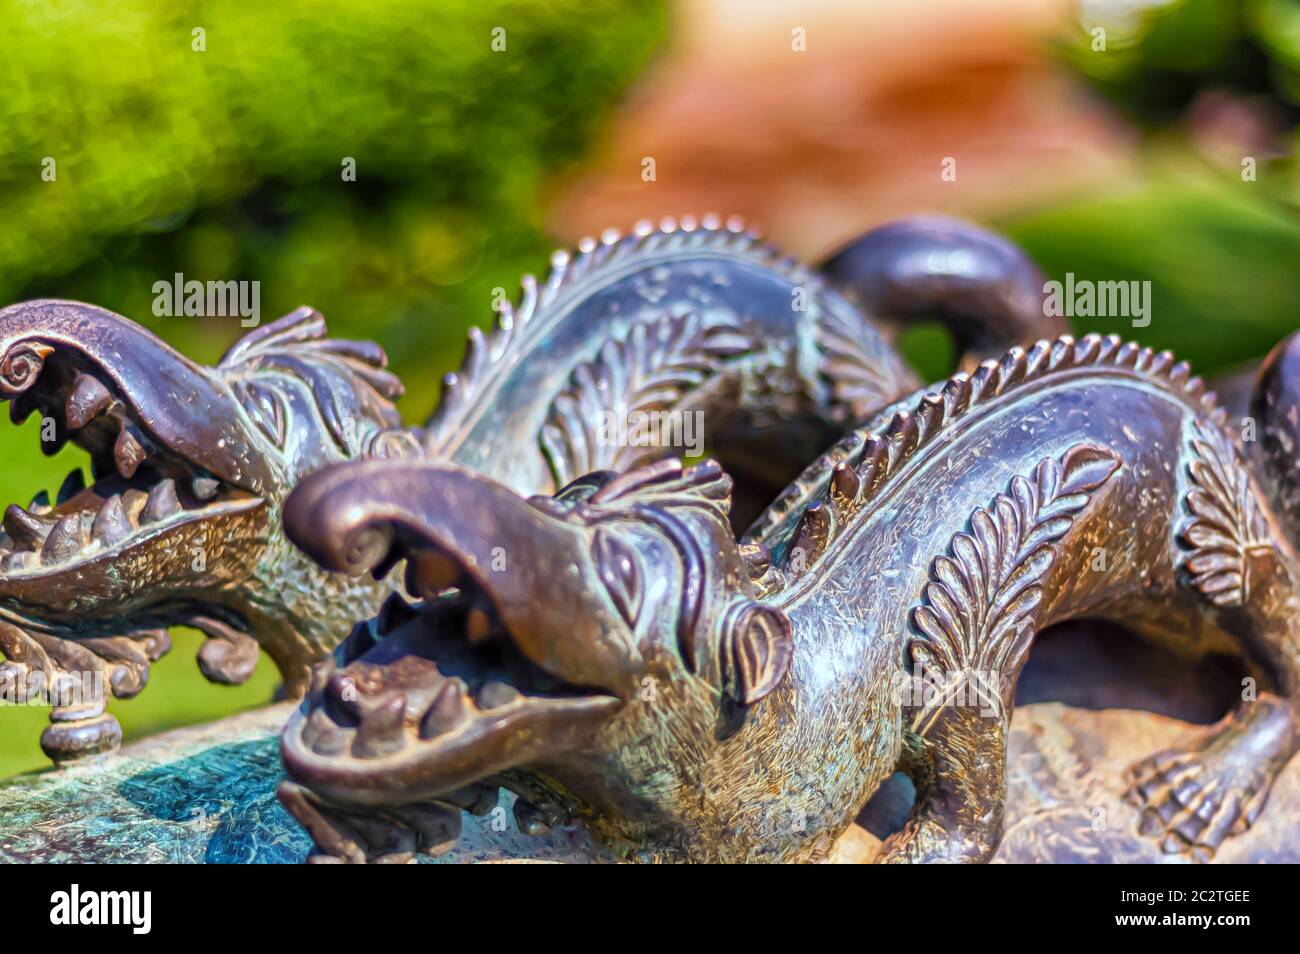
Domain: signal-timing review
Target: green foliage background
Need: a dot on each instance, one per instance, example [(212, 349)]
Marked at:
[(227, 164), (1222, 254)]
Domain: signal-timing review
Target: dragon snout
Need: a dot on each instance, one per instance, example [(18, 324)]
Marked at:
[(83, 366)]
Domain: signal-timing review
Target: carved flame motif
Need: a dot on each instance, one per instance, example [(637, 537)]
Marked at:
[(979, 609), (66, 665), (649, 370), (1226, 519)]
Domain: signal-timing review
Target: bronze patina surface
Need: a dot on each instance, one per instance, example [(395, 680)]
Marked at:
[(575, 621), (206, 794), (628, 661), (182, 522), (191, 464)]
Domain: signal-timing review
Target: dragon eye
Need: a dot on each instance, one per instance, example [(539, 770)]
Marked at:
[(266, 408), (620, 571)]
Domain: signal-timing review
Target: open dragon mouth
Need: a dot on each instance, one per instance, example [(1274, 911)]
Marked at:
[(432, 697), (87, 541)]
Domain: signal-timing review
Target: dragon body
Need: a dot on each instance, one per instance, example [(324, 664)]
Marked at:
[(696, 698), (688, 322)]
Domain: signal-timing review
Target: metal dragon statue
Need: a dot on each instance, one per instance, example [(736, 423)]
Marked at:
[(612, 651), (191, 465), (182, 522)]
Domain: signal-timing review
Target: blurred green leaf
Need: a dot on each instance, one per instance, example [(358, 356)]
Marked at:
[(1220, 255)]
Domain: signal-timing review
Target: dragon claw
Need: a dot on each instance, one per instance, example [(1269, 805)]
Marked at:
[(347, 837), (1194, 798)]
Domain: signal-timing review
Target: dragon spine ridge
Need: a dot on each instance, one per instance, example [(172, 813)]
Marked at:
[(862, 463), (650, 368), (485, 352)]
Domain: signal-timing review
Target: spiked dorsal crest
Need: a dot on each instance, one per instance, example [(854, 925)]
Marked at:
[(852, 474), (345, 378)]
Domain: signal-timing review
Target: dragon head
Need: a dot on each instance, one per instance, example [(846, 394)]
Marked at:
[(558, 637), (190, 467)]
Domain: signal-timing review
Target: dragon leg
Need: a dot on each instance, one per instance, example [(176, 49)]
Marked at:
[(1194, 796), (1238, 571), (958, 700), (1184, 545), (1216, 784), (960, 778)]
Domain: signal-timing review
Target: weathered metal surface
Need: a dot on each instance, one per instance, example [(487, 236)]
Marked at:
[(1067, 784), (590, 636), (190, 795), (985, 289), (182, 522), (1065, 779), (876, 618), (191, 464), (206, 795)]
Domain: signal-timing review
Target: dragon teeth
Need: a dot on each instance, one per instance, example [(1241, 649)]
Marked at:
[(65, 540), (380, 731), (72, 485), (88, 400), (51, 447), (162, 502), (205, 488), (22, 560), (25, 529), (322, 735), (22, 406), (478, 625), (320, 675), (133, 502), (446, 712), (128, 453), (111, 523), (40, 503), (495, 694)]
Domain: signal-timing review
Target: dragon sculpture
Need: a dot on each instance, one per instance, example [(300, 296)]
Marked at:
[(612, 652), (182, 522), (191, 464)]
